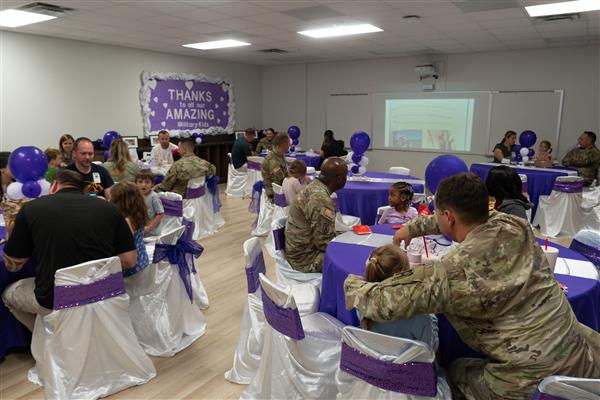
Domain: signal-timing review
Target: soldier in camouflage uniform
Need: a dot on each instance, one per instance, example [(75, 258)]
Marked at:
[(497, 290), (188, 167), (274, 168), (586, 157), (266, 143), (311, 218)]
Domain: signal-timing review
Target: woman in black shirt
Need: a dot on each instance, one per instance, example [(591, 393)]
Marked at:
[(332, 147), (504, 149)]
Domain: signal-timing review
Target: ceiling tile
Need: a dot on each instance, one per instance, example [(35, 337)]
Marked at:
[(239, 9), (202, 15)]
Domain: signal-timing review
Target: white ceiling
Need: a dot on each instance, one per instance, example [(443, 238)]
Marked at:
[(445, 27)]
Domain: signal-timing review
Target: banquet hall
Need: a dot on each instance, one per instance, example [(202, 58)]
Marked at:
[(414, 93)]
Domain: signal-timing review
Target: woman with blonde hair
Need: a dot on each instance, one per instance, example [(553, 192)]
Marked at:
[(119, 164), (65, 145)]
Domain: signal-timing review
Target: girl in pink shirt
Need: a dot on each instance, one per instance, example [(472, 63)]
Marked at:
[(295, 181), (400, 198)]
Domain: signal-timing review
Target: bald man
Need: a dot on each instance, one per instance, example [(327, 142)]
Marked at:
[(311, 220)]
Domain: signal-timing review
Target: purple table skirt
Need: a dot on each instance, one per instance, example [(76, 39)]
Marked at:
[(342, 259), (539, 182), (362, 199), (12, 333)]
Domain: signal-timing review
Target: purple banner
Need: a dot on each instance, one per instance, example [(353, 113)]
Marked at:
[(186, 103)]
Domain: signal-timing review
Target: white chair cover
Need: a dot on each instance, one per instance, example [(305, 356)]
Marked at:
[(254, 174), (286, 275), (587, 242), (567, 388), (236, 180), (170, 220), (200, 295), (380, 211), (280, 209), (164, 319), (343, 223), (525, 193), (561, 213), (364, 354), (265, 216), (89, 350), (399, 170), (203, 209), (301, 362)]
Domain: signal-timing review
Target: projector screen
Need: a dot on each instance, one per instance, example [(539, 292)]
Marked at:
[(440, 122)]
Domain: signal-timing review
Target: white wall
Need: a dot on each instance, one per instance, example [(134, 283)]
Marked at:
[(576, 70), (53, 86)]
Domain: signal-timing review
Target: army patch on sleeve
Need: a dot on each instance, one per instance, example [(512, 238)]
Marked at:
[(327, 213)]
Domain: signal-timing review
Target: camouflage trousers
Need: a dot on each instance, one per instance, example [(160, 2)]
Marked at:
[(312, 264), (468, 383)]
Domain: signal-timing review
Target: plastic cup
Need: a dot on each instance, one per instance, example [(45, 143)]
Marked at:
[(414, 257), (551, 255)]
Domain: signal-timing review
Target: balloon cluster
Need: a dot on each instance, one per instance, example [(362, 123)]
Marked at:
[(107, 140), (359, 143), (523, 150), (294, 133), (28, 165), (442, 167), (198, 137)]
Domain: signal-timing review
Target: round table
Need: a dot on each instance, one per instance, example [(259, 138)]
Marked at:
[(361, 199), (342, 259), (539, 180)]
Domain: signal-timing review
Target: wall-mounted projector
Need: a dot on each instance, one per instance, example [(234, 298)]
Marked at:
[(426, 71)]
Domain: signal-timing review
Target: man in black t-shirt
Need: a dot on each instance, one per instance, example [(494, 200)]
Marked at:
[(64, 229), (96, 178), (242, 149)]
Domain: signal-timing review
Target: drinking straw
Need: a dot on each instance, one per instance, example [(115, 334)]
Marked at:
[(425, 243)]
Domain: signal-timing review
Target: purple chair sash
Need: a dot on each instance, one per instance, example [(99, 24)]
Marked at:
[(173, 208), (284, 320), (194, 193), (279, 237), (588, 251), (416, 378), (279, 200), (543, 396), (68, 296), (253, 165), (257, 189), (253, 271), (177, 254), (213, 188), (568, 187)]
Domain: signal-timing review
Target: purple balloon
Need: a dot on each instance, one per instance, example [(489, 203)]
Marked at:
[(354, 169), (442, 167), (294, 132), (356, 158), (516, 148), (109, 137), (360, 141), (31, 189), (518, 158), (527, 138), (295, 142), (531, 153), (28, 163)]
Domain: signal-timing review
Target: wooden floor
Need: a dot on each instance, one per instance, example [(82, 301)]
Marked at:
[(196, 372)]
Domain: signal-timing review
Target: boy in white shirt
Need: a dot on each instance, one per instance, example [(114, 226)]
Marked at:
[(162, 153)]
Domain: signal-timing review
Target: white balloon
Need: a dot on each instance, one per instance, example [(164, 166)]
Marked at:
[(524, 151), (14, 191), (364, 161), (525, 158), (198, 140), (362, 170), (45, 187)]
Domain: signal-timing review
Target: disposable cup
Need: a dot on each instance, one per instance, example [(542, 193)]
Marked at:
[(551, 255), (414, 257)]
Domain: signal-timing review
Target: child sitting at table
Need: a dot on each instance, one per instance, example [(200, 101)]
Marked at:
[(55, 160), (400, 199), (544, 155), (144, 180), (384, 262), (295, 181), (128, 199)]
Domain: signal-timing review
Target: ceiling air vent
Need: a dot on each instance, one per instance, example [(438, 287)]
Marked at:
[(45, 8), (559, 17), (273, 51)]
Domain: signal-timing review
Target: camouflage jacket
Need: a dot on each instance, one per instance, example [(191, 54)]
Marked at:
[(264, 144), (184, 169), (587, 162), (499, 293), (310, 227), (274, 170)]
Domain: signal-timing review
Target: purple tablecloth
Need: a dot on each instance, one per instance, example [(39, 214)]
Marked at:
[(362, 199), (310, 161), (12, 332), (342, 259), (539, 182)]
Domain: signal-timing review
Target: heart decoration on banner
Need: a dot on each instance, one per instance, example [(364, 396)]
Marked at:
[(189, 84)]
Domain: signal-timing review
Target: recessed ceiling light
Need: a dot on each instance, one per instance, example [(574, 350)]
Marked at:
[(217, 44), (341, 30), (567, 7), (16, 18)]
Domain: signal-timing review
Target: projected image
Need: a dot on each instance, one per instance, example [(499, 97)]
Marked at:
[(431, 124)]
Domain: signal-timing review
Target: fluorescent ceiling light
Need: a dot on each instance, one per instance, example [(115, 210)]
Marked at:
[(567, 7), (15, 18), (217, 44), (342, 30)]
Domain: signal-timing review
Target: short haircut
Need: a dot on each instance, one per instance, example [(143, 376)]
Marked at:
[(280, 139), (591, 135), (466, 195), (80, 140), (52, 154), (297, 168), (188, 143), (250, 132), (66, 177), (163, 132), (144, 175)]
